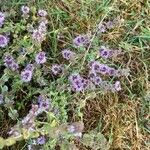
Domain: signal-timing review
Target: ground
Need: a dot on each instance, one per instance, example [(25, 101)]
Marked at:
[(123, 117)]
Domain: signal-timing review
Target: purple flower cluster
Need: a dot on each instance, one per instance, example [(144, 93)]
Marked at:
[(29, 67), (81, 40), (78, 83), (40, 58), (10, 63), (26, 74), (105, 52), (67, 54), (38, 35), (41, 140), (3, 41), (97, 80), (2, 18), (43, 103), (96, 68), (71, 128), (102, 27), (25, 10), (42, 13), (108, 53), (117, 86), (103, 69), (57, 69), (42, 27)]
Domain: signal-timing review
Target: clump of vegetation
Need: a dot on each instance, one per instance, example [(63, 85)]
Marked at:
[(65, 85)]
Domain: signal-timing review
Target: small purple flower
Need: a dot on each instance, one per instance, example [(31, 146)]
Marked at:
[(57, 69), (1, 99), (92, 75), (40, 58), (101, 28), (67, 54), (94, 66), (10, 63), (3, 41), (111, 72), (8, 60), (71, 128), (109, 24), (26, 75), (103, 69), (117, 86), (97, 80), (29, 67), (99, 68), (74, 76), (105, 53), (42, 13), (94, 78), (44, 103), (38, 36), (25, 10), (2, 18), (14, 66), (41, 140), (81, 40), (42, 27), (78, 83)]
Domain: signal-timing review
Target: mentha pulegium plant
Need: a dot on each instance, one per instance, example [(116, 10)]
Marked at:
[(97, 75)]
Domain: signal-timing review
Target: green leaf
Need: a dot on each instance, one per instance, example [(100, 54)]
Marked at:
[(95, 141), (2, 143), (68, 146), (10, 141), (26, 134)]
